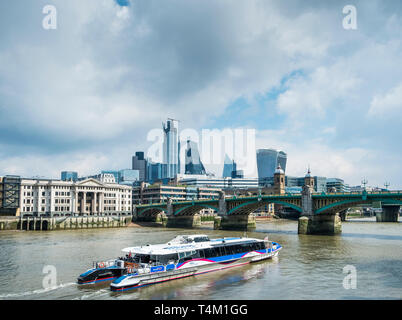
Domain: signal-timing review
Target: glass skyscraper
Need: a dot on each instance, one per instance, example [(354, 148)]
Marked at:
[(268, 160), (171, 148), (140, 163), (128, 176), (228, 167), (281, 159), (69, 176), (193, 163)]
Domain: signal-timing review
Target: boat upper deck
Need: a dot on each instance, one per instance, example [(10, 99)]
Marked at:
[(187, 243)]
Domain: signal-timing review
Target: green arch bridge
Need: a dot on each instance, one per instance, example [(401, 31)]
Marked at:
[(320, 213)]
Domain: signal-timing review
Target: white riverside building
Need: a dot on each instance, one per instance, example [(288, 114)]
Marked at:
[(87, 197)]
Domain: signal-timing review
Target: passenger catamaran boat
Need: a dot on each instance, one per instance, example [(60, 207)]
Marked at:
[(184, 256)]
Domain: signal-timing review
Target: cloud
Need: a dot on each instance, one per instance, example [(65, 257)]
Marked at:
[(311, 95), (89, 91), (387, 105)]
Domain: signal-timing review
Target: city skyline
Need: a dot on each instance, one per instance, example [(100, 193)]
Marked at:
[(310, 91)]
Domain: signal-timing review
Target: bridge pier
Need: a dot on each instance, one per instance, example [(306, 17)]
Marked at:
[(388, 214), (325, 224), (183, 221), (342, 214), (147, 219), (158, 218), (235, 222)]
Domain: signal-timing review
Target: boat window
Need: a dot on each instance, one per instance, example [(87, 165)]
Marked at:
[(210, 253), (237, 248), (164, 259), (229, 250), (192, 253), (222, 251), (201, 239), (245, 247), (143, 258)]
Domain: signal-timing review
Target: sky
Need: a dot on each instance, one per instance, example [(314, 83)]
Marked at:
[(84, 96)]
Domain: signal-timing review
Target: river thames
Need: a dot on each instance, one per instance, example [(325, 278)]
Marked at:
[(308, 267)]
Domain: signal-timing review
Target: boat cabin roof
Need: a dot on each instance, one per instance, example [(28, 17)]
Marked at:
[(186, 243)]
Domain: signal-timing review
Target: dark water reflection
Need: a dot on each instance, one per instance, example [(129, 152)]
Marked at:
[(308, 267)]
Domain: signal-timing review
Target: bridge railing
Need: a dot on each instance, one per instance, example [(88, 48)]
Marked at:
[(288, 195), (357, 193)]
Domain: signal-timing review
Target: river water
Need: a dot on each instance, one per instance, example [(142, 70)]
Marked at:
[(308, 267)]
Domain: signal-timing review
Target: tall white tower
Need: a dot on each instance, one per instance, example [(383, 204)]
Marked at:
[(171, 148)]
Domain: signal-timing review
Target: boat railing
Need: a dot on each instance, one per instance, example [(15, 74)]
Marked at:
[(103, 264)]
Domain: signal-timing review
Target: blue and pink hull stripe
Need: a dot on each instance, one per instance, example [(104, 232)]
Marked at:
[(223, 260)]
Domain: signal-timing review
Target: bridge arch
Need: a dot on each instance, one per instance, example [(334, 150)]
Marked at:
[(193, 209), (253, 205), (150, 211), (345, 204)]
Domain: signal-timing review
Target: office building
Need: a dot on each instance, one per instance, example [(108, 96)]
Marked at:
[(213, 182), (282, 159), (171, 148), (128, 176), (156, 171), (268, 160), (228, 167), (337, 185), (161, 193), (69, 176), (237, 174), (140, 163), (193, 163)]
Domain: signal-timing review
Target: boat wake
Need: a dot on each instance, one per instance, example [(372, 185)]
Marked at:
[(94, 295), (35, 292)]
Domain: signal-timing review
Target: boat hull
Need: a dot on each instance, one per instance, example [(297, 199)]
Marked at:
[(99, 276), (187, 269)]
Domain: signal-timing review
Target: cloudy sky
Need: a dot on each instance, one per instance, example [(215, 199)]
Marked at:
[(84, 96)]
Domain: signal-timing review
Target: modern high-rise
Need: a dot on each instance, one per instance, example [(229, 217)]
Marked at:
[(69, 176), (140, 163), (171, 148), (228, 167), (337, 185), (156, 171), (193, 163), (128, 176), (268, 160), (281, 160)]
